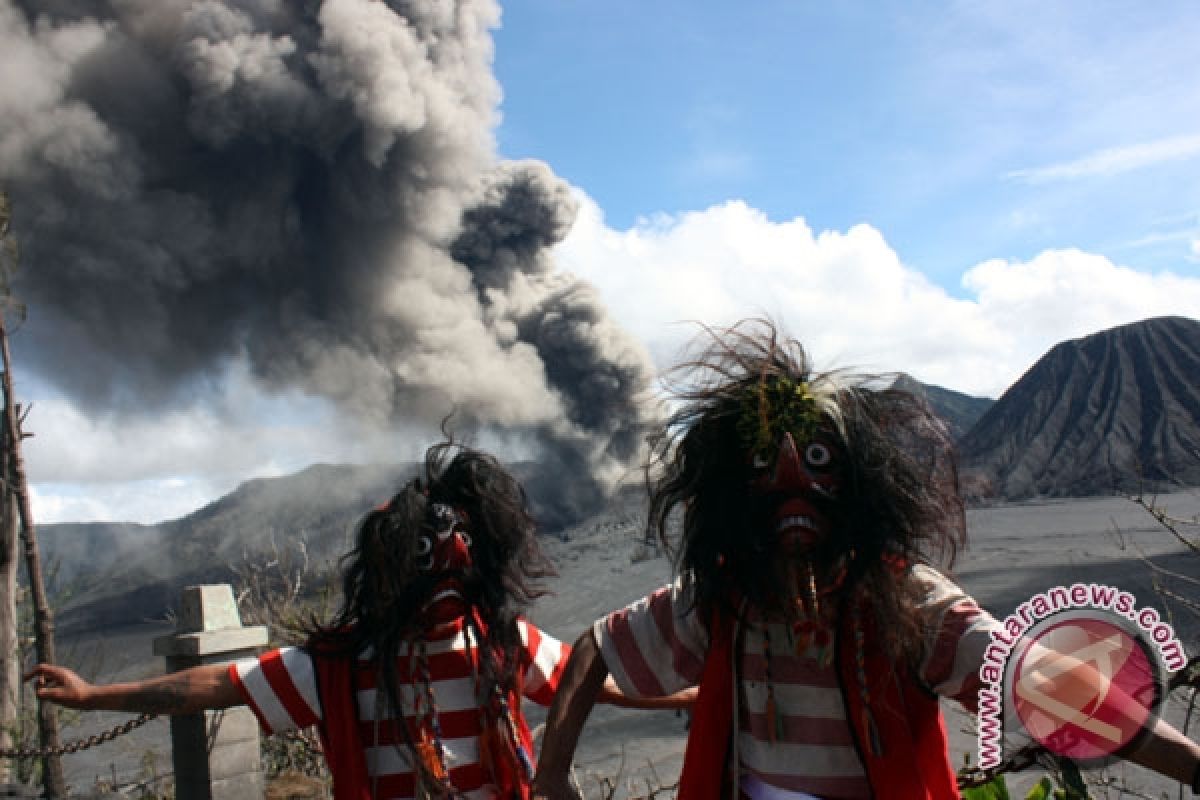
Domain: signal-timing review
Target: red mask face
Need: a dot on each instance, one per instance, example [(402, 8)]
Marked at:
[(449, 547), (446, 552), (797, 487)]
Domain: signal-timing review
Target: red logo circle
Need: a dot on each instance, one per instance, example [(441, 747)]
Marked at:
[(1083, 686)]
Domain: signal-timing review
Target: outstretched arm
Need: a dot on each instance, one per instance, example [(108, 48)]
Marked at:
[(1168, 752), (1072, 683), (186, 692), (582, 681), (610, 693)]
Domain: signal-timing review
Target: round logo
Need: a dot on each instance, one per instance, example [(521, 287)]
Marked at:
[(1084, 686)]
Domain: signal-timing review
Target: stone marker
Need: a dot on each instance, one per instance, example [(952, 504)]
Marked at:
[(216, 753)]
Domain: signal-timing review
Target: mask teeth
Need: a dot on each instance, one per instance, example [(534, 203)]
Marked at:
[(795, 521)]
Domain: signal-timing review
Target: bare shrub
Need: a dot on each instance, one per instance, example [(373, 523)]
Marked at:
[(285, 590)]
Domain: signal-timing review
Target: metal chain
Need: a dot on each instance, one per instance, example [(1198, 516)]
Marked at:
[(79, 744)]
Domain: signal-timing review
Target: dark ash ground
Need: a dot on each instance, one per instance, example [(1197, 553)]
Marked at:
[(1014, 552)]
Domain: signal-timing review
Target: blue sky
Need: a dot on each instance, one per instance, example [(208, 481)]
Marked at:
[(947, 189), (961, 131)]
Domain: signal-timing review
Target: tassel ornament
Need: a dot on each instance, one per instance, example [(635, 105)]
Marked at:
[(432, 773), (814, 599), (823, 641), (871, 733), (514, 737), (774, 720), (502, 751), (427, 752), (870, 729), (803, 635)]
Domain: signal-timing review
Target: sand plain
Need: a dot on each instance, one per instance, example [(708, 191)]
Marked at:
[(1013, 552)]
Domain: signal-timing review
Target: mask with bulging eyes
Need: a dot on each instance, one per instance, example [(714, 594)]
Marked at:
[(796, 486), (444, 554), (446, 547)]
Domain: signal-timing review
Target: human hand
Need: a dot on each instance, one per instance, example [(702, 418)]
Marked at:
[(61, 685)]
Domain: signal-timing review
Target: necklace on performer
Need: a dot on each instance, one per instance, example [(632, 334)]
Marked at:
[(433, 776), (502, 750), (811, 628)]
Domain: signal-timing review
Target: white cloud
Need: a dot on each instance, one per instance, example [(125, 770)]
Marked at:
[(145, 501), (846, 294), (1114, 160), (849, 297), (147, 469), (1062, 294)]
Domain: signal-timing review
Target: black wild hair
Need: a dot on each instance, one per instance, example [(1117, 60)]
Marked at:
[(384, 591), (898, 503)]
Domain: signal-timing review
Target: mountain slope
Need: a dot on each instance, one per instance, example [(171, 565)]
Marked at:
[(116, 573), (1117, 410), (959, 411), (1093, 414)]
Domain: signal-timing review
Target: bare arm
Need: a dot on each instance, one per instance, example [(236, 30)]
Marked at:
[(1168, 752), (1164, 749), (610, 693), (186, 692), (581, 684)]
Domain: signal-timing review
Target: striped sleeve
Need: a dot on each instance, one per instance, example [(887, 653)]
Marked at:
[(959, 632), (280, 687), (547, 659), (656, 646)]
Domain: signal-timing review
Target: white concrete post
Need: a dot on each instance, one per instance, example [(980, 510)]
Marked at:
[(215, 754)]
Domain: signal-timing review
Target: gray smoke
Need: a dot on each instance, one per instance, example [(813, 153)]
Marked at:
[(311, 187)]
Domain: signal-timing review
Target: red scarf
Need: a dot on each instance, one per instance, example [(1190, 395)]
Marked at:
[(340, 739), (914, 763), (705, 760)]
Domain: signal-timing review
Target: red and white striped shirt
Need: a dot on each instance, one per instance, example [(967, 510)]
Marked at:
[(657, 646), (280, 686)]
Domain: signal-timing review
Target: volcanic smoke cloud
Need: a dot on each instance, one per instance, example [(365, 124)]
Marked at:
[(311, 187)]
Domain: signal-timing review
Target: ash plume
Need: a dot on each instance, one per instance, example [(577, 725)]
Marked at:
[(311, 188)]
